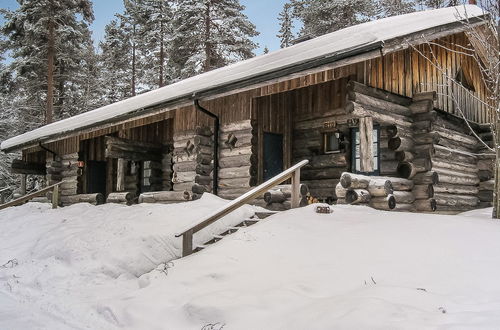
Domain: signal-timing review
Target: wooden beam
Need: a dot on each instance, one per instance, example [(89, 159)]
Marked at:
[(366, 144), (22, 167)]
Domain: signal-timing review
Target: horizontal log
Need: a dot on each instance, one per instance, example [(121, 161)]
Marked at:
[(22, 167), (237, 172), (424, 96), (355, 181), (203, 179), (442, 165), (183, 186), (383, 203), (380, 187), (457, 155), (94, 199), (200, 140), (408, 170), (179, 177), (357, 196), (402, 156), (287, 189), (485, 195), (131, 145), (485, 164), (324, 173), (425, 205), (404, 208), (238, 161), (455, 189), (238, 126), (378, 115), (203, 131), (185, 166), (484, 175), (393, 131), (238, 183), (328, 160), (274, 196), (422, 106), (129, 155), (326, 183), (164, 196), (404, 197), (455, 200), (322, 193), (185, 135), (71, 156), (387, 154), (388, 167), (455, 177), (429, 177), (487, 185), (374, 102), (399, 143), (378, 93), (204, 169), (459, 137), (237, 151), (121, 198), (423, 191)]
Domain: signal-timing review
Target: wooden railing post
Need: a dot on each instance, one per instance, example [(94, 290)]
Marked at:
[(55, 197), (296, 189), (187, 243)]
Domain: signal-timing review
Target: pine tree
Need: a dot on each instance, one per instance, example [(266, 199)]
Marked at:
[(116, 62), (47, 40), (286, 25), (155, 30), (324, 16), (389, 8), (210, 34)]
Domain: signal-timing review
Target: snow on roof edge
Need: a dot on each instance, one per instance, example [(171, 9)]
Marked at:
[(336, 42)]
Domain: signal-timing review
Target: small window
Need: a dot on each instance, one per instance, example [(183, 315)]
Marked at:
[(331, 142), (356, 156), (463, 78)]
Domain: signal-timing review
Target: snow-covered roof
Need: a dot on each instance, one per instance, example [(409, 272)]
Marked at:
[(332, 45)]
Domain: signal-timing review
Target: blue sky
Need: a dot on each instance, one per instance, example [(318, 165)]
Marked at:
[(263, 13)]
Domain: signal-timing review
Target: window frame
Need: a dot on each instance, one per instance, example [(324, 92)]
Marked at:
[(325, 139)]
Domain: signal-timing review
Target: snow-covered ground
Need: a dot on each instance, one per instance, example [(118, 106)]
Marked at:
[(106, 267)]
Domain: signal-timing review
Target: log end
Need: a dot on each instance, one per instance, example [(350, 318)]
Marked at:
[(345, 180), (405, 170), (394, 143), (391, 202)]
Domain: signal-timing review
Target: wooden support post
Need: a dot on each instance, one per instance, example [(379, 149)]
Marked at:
[(366, 144), (296, 189), (109, 176), (187, 243), (55, 197), (120, 174), (23, 184)]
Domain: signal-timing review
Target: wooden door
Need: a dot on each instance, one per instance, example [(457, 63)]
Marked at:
[(273, 155)]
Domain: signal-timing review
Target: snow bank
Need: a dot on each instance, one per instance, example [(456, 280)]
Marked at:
[(354, 268), (78, 255)]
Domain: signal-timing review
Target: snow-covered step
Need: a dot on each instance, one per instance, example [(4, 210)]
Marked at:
[(263, 215)]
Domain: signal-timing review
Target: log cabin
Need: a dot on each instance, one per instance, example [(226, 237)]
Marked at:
[(362, 104)]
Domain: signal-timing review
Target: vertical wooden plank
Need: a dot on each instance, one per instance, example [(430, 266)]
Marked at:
[(366, 144), (55, 197), (187, 243), (295, 189)]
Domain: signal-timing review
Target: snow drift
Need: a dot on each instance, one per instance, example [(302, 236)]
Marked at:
[(106, 267)]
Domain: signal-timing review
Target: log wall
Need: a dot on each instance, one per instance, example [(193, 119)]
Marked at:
[(238, 160)]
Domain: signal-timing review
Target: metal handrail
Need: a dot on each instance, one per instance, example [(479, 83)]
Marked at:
[(25, 198), (291, 173)]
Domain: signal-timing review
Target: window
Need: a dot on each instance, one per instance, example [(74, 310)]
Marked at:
[(464, 79), (356, 156), (331, 142)]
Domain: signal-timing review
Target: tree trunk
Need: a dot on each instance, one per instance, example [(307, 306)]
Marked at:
[(496, 195), (49, 113), (208, 46), (132, 87)]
